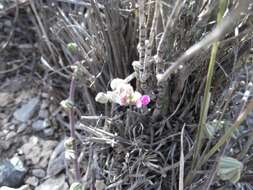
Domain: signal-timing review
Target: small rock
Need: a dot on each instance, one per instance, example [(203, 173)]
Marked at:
[(40, 173), (56, 165), (43, 113), (2, 134), (24, 113), (44, 104), (100, 185), (39, 125), (10, 135), (38, 151), (12, 173), (33, 181), (25, 187), (22, 127), (5, 144), (48, 132), (15, 122), (55, 183), (7, 23), (7, 124), (52, 108), (5, 99), (12, 127), (32, 150), (45, 95), (18, 164), (23, 95), (2, 118)]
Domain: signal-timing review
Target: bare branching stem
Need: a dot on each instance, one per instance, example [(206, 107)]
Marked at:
[(151, 36), (169, 24), (43, 31), (162, 98), (142, 35), (72, 128), (228, 22)]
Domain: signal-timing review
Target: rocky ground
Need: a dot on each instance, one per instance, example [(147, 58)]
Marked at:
[(31, 148), (30, 144)]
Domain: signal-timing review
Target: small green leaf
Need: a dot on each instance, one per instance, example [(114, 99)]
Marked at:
[(210, 130), (230, 169), (72, 47), (76, 186)]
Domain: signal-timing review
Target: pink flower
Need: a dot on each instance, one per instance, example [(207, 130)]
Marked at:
[(143, 101), (123, 100), (138, 103)]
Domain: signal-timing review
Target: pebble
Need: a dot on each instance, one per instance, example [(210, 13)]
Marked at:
[(10, 135), (33, 181), (38, 151), (44, 95), (22, 127), (100, 185), (12, 173), (40, 173), (5, 99), (2, 134), (26, 111), (12, 127), (3, 118), (39, 125), (54, 183), (43, 113), (7, 23), (5, 144), (24, 187), (56, 165), (44, 104), (15, 122), (48, 132), (7, 124)]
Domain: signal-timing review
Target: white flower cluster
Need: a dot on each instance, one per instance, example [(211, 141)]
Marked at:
[(122, 93)]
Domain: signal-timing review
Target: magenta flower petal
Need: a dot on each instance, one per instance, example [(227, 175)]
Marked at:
[(145, 99), (138, 103)]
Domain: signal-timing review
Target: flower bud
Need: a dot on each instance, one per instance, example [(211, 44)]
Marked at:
[(136, 65), (112, 96), (69, 143), (69, 148), (101, 98), (72, 47), (115, 83), (67, 104)]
